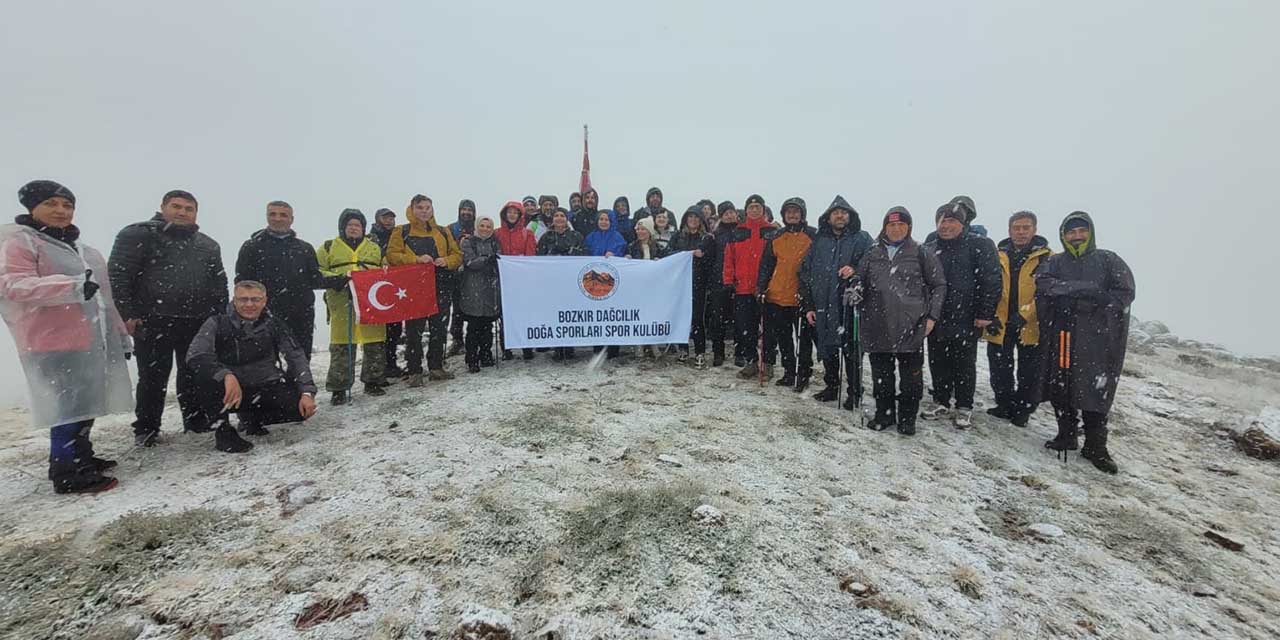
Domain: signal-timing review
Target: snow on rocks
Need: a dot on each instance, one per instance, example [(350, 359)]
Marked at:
[(708, 515), (483, 623), (1260, 437), (667, 458), (294, 496), (1045, 531)]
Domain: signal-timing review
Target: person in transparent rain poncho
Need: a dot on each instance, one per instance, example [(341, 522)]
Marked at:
[(56, 300)]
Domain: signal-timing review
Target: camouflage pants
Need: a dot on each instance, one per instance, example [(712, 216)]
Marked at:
[(341, 365)]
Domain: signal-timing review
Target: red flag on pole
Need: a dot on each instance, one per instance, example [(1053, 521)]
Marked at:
[(394, 294), (584, 183)]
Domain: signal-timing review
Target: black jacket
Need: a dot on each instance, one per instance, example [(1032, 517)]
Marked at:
[(821, 287), (1083, 308), (287, 266), (586, 220), (974, 283), (568, 243), (260, 353), (703, 273), (724, 234), (635, 251), (159, 269)]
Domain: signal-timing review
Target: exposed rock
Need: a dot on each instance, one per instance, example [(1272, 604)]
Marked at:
[(1204, 591), (1154, 327), (1167, 339), (856, 588), (1045, 530), (709, 515), (1223, 541), (836, 491), (294, 496), (1195, 360), (669, 459), (482, 623), (1260, 438)]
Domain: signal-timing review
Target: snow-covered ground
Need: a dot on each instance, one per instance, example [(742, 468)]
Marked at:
[(565, 502)]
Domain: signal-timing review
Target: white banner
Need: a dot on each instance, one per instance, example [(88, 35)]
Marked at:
[(581, 301)]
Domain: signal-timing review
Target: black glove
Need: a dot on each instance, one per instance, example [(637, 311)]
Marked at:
[(995, 327), (90, 287), (339, 283)]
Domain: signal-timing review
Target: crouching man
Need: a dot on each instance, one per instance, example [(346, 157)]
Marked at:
[(237, 358)]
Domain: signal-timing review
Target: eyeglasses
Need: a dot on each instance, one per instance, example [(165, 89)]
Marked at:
[(251, 299)]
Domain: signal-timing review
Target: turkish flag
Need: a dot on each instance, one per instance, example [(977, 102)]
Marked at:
[(394, 294)]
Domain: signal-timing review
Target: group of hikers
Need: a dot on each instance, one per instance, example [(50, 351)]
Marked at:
[(1055, 324)]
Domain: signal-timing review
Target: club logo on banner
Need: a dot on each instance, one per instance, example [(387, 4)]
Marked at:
[(598, 280), (574, 301)]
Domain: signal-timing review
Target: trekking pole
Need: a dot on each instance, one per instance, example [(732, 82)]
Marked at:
[(760, 345), (497, 345), (840, 336), (351, 341), (857, 337)]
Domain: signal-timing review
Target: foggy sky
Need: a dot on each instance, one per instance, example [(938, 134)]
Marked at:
[(1156, 117)]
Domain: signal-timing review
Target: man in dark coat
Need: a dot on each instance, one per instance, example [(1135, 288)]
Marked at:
[(902, 292), (237, 358), (827, 271), (693, 237), (464, 228), (1082, 298), (167, 278), (587, 216), (286, 264), (384, 221), (721, 302), (972, 269), (653, 206), (1014, 338)]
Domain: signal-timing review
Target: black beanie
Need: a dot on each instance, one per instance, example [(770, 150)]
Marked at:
[(897, 214), (727, 205), (754, 199), (954, 210), (33, 193)]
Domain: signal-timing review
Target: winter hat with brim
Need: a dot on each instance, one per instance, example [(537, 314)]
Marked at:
[(384, 212), (552, 199), (529, 200), (795, 202), (348, 215), (37, 191), (754, 198)]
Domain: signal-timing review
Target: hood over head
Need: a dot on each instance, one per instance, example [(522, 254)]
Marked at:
[(694, 211), (624, 200), (897, 214), (348, 215), (1073, 220), (967, 203), (855, 222), (502, 215), (652, 191)]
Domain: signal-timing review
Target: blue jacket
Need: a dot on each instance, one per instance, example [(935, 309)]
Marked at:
[(600, 242)]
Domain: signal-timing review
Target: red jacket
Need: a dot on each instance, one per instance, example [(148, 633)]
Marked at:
[(742, 256), (515, 239)]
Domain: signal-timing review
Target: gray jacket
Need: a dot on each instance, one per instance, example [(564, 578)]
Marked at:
[(478, 292), (898, 295), (260, 353)]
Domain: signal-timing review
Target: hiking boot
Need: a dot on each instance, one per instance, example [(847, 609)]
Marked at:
[(1100, 458), (1066, 440), (882, 420), (849, 401), (339, 398), (787, 380), (827, 395), (700, 362), (907, 426), (473, 367), (226, 439), (748, 371), (455, 349), (963, 418), (717, 360), (768, 372), (70, 477), (683, 357), (739, 362), (1020, 419), (801, 384), (936, 411), (251, 428), (486, 359), (1000, 411), (374, 390), (507, 355), (146, 438), (415, 381), (439, 375)]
